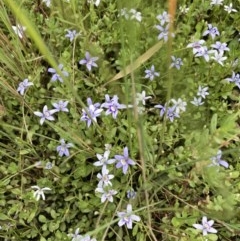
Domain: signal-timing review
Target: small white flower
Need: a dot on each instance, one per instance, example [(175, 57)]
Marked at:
[(229, 8), (197, 46), (46, 114), (127, 217), (95, 2), (179, 105), (163, 18), (103, 159), (141, 97), (40, 192), (106, 194), (202, 91), (135, 15), (19, 30), (23, 86), (183, 9), (104, 178), (47, 2), (216, 2), (219, 57), (197, 101)]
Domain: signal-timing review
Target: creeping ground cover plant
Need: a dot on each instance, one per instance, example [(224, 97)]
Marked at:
[(119, 120)]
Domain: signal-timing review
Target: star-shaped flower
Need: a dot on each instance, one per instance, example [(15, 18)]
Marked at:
[(19, 30), (63, 148), (89, 61), (55, 75), (124, 161), (40, 192), (45, 115), (127, 217), (61, 106), (206, 226), (23, 86), (151, 73)]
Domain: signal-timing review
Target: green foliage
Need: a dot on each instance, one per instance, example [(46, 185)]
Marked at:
[(174, 178)]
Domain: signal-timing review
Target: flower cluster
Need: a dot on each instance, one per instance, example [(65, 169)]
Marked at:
[(228, 8), (91, 112), (201, 94), (105, 185), (163, 27), (217, 51), (48, 114), (172, 109), (131, 14)]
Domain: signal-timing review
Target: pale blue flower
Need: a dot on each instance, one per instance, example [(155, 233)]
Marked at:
[(171, 112), (45, 115), (63, 148), (163, 18), (177, 62), (89, 61), (71, 34), (93, 112), (61, 106), (48, 166), (163, 32), (23, 86), (162, 109), (131, 194), (103, 159), (221, 47), (151, 73), (202, 91), (104, 178), (55, 75), (127, 217), (112, 105), (204, 52), (107, 194), (124, 161), (206, 226), (217, 160), (179, 105), (235, 79), (212, 31), (197, 46)]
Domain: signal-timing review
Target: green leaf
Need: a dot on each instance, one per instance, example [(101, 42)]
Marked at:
[(3, 216), (42, 219), (213, 125)]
